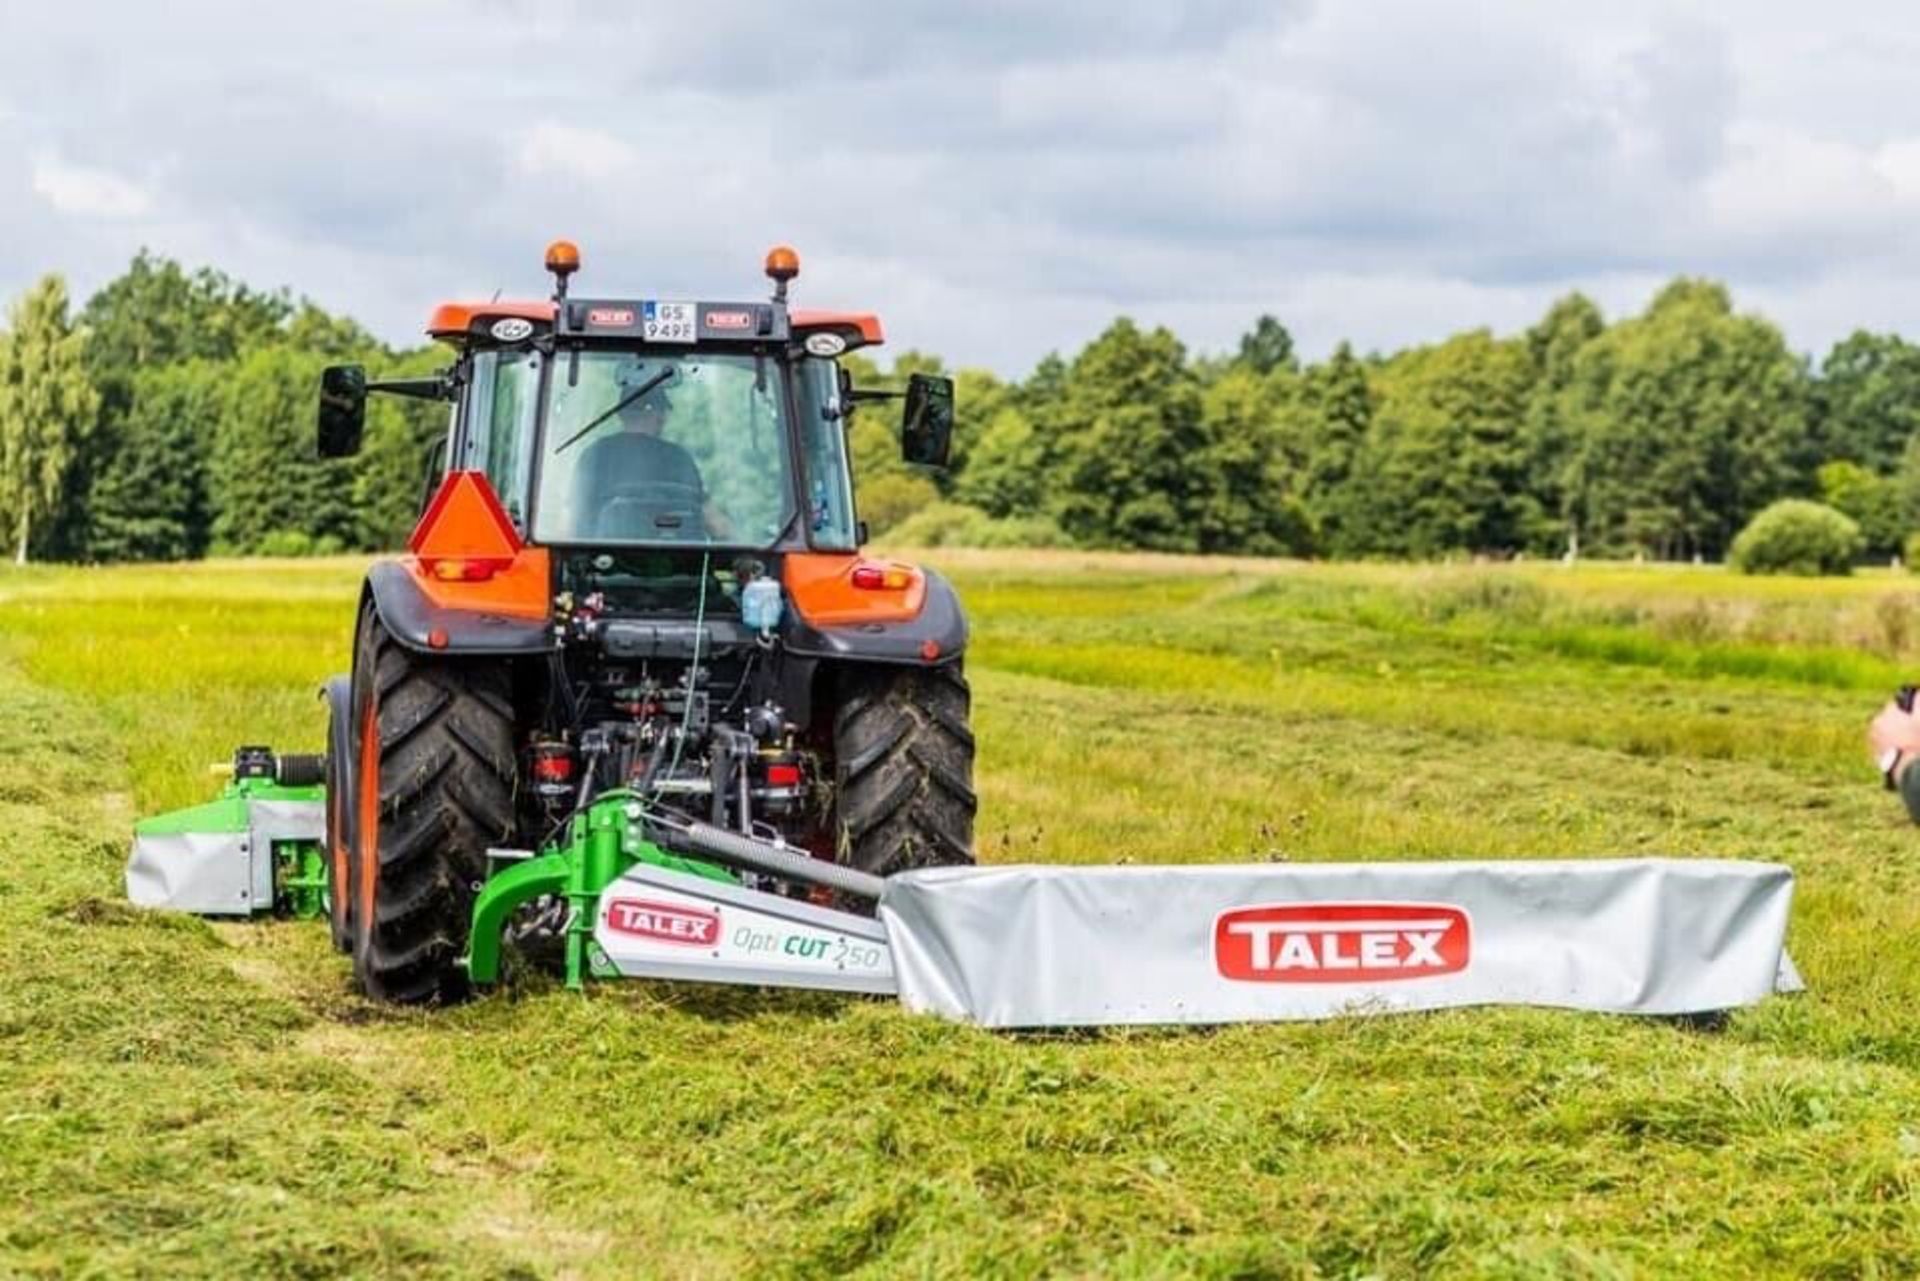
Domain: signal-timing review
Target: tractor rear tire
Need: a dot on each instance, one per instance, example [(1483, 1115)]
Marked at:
[(435, 777), (338, 694), (903, 752)]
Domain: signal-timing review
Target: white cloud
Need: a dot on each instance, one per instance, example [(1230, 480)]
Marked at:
[(1781, 186), (1899, 163), (89, 193), (998, 180), (570, 151)]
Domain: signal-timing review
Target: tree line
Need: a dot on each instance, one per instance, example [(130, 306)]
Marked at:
[(171, 417)]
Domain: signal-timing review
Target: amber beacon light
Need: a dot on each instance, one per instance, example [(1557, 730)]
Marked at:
[(783, 264), (563, 259)]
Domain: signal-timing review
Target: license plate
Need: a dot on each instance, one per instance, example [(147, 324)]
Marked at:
[(667, 322)]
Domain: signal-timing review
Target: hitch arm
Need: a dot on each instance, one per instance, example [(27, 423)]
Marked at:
[(521, 883)]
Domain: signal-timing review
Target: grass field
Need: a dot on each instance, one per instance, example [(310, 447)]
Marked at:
[(184, 1098)]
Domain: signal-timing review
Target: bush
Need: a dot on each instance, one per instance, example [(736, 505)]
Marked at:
[(1024, 531), (297, 542), (887, 500), (942, 525), (958, 525), (1794, 536), (1910, 552)]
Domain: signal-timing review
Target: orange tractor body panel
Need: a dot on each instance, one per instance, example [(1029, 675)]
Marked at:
[(454, 318), (465, 554), (822, 589), (863, 323)]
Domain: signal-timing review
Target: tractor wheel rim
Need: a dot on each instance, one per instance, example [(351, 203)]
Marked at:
[(337, 858), (367, 837)]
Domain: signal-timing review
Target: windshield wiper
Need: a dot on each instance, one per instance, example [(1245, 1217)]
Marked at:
[(615, 408)]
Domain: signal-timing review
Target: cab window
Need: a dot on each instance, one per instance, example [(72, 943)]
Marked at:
[(502, 395), (823, 443)]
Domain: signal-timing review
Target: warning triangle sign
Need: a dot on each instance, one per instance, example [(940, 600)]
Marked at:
[(465, 521)]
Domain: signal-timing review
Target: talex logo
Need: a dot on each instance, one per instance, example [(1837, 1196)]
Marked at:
[(729, 319), (621, 317), (1341, 942), (668, 922)]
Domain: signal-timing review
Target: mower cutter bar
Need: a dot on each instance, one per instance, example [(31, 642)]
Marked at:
[(634, 892)]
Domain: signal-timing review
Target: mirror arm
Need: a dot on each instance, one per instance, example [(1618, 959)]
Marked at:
[(860, 395), (439, 387)]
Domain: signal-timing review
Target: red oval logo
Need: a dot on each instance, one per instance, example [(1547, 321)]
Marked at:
[(668, 922), (1341, 942), (612, 317), (729, 320)]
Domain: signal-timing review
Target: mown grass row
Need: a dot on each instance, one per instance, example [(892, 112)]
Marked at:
[(183, 1098)]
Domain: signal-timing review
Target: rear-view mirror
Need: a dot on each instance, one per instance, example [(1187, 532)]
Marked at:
[(926, 427), (343, 410)]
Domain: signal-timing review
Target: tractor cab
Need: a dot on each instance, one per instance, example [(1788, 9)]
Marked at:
[(655, 423)]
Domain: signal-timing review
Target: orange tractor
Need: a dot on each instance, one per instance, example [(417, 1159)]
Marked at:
[(635, 703), (634, 633)]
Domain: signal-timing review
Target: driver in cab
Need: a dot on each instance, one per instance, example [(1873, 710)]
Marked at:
[(637, 483)]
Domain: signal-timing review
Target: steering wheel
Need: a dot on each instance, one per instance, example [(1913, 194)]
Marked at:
[(645, 509)]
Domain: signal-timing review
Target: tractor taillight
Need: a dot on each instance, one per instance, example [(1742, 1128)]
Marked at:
[(787, 775), (465, 569), (552, 763), (877, 578)]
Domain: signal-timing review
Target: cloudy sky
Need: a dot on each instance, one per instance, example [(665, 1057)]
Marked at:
[(997, 179)]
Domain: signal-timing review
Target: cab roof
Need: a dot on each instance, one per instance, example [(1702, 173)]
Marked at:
[(452, 321)]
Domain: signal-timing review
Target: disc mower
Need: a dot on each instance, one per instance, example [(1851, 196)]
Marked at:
[(634, 702)]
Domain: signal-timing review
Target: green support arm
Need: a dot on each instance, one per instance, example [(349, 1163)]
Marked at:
[(521, 883)]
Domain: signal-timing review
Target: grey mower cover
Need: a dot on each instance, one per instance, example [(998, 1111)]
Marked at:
[(217, 859), (1031, 946)]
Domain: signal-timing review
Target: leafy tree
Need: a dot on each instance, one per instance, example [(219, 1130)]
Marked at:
[(1007, 473), (311, 329), (1129, 433), (1871, 502), (150, 502), (1046, 385), (1687, 419), (979, 398), (1010, 471), (1867, 401), (47, 408), (265, 478), (1660, 434), (1329, 417), (1554, 482), (1266, 347), (157, 313), (1250, 503), (1446, 459)]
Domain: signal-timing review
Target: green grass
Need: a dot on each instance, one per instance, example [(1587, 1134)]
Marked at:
[(184, 1098)]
